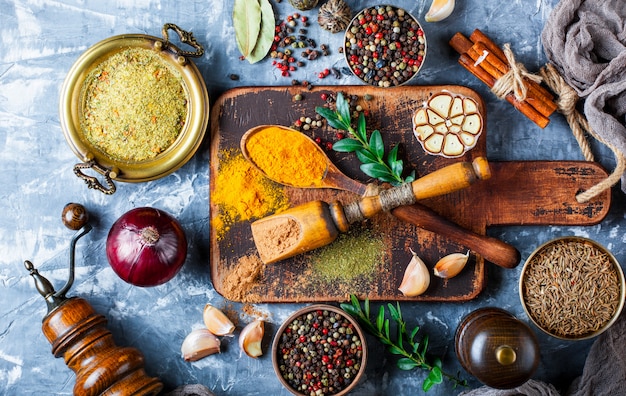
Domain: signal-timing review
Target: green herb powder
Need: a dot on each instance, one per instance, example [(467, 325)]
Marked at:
[(355, 254), (134, 105)]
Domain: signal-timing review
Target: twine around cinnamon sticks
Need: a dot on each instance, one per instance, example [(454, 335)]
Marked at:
[(511, 81), (507, 79)]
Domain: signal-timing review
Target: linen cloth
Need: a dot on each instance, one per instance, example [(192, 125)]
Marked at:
[(586, 41)]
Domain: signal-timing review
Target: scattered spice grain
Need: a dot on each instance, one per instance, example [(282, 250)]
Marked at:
[(134, 105), (571, 288)]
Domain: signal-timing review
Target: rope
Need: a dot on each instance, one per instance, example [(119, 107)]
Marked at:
[(578, 123), (513, 79)]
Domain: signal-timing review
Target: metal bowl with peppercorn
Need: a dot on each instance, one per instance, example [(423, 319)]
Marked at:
[(384, 46), (319, 350)]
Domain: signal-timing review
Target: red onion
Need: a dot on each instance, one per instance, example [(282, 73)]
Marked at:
[(146, 247)]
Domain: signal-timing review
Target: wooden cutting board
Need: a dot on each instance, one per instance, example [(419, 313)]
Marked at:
[(518, 193)]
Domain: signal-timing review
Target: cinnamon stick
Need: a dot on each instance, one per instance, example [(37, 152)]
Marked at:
[(504, 67), (525, 108), (494, 66), (539, 104)]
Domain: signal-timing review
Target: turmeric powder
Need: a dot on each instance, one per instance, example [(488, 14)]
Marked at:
[(242, 193), (287, 156)]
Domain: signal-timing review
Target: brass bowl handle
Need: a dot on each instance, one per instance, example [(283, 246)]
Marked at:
[(186, 38), (93, 182)]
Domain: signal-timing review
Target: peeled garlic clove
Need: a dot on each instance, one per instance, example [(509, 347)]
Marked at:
[(451, 265), (416, 277), (439, 10), (198, 344), (217, 322), (251, 337)]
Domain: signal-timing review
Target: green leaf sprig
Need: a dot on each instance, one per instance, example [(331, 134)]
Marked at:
[(413, 352), (370, 151)]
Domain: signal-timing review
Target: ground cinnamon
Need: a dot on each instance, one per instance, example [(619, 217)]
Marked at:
[(240, 282), (275, 237)]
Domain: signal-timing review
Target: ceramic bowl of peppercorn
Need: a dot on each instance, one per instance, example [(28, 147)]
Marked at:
[(134, 108), (572, 288), (384, 46), (319, 350)]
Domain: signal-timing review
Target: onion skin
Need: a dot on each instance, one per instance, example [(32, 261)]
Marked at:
[(146, 247)]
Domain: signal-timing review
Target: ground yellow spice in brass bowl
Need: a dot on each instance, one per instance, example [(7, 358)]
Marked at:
[(134, 108), (572, 288)]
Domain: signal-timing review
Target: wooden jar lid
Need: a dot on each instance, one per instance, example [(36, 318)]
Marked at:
[(495, 347)]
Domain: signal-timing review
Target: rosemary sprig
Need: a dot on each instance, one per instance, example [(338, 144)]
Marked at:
[(413, 352), (370, 151)]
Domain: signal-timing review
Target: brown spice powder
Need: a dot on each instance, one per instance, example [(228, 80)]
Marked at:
[(239, 283), (275, 236)]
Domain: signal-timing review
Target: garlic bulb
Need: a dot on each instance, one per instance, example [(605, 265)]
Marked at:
[(198, 344), (448, 125), (251, 337), (451, 265), (416, 277), (217, 322)]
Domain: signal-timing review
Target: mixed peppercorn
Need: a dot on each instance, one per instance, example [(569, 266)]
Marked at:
[(385, 46), (319, 353), (288, 39)]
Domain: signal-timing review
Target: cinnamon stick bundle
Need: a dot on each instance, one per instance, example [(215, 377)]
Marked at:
[(488, 62)]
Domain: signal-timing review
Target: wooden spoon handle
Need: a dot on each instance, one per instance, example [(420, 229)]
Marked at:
[(492, 249), (442, 181)]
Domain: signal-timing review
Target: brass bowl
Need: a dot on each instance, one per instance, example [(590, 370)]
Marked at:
[(562, 273), (405, 68), (189, 138), (315, 310)]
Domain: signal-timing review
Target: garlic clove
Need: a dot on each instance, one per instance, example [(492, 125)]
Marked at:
[(416, 277), (439, 10), (217, 322), (198, 344), (251, 337), (451, 265)]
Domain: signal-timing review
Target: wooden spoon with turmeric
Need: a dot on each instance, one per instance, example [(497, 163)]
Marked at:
[(291, 158)]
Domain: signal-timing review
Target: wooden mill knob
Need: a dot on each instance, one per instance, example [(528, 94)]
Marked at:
[(496, 348)]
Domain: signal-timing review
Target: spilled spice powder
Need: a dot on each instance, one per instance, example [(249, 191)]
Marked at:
[(242, 193), (355, 254), (239, 283)]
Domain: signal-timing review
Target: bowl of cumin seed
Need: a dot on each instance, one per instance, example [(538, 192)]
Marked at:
[(572, 288)]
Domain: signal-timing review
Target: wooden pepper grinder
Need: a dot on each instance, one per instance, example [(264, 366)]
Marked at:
[(79, 334)]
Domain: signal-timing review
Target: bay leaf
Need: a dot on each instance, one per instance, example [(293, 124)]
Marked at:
[(247, 24), (266, 35)]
